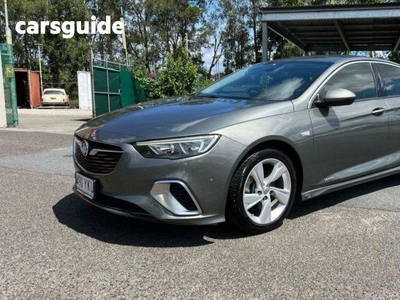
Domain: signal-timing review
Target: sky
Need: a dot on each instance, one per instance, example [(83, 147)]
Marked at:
[(207, 57)]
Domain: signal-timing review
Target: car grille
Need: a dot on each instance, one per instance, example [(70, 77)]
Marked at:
[(101, 158)]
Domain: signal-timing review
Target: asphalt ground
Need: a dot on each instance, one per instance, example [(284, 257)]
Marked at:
[(344, 245)]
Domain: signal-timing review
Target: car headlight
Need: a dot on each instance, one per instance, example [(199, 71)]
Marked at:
[(177, 148)]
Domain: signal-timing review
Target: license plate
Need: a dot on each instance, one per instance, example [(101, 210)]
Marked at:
[(84, 185)]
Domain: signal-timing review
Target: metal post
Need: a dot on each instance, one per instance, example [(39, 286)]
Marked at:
[(218, 72), (265, 41), (8, 30), (108, 88), (10, 80), (40, 69), (92, 78), (3, 115), (124, 37)]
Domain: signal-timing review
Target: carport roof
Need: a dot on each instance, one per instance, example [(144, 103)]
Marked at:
[(337, 28)]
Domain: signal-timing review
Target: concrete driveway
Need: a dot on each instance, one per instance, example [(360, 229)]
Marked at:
[(54, 246), (52, 120)]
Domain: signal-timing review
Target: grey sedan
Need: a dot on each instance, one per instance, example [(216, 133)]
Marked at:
[(245, 148)]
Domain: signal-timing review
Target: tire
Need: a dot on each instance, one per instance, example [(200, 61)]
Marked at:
[(262, 192)]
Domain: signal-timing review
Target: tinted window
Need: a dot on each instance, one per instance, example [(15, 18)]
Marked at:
[(280, 80), (357, 78), (391, 79)]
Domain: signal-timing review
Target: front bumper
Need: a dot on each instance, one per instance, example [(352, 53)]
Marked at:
[(56, 101), (161, 189)]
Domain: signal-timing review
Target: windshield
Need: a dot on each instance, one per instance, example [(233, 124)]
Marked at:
[(280, 80)]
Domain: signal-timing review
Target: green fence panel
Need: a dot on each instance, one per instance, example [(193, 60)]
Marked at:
[(10, 94), (115, 102), (140, 95), (106, 89), (114, 81), (127, 89), (101, 101), (100, 79), (114, 87)]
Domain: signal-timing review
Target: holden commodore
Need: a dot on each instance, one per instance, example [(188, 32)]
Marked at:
[(245, 148)]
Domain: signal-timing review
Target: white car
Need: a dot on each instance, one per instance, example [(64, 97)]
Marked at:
[(55, 96)]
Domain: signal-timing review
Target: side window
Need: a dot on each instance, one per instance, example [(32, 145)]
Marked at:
[(391, 79), (356, 77)]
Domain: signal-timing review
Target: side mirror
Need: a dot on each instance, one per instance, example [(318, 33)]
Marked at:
[(336, 97)]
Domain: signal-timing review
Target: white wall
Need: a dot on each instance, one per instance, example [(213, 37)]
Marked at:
[(84, 90)]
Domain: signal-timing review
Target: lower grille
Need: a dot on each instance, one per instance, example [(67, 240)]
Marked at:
[(119, 204), (100, 158)]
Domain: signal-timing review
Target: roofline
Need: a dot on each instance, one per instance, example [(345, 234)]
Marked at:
[(336, 7), (330, 12)]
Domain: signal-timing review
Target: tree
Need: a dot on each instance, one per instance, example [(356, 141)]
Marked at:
[(177, 76), (156, 28), (142, 44), (105, 46), (213, 33), (64, 57), (236, 41), (25, 46)]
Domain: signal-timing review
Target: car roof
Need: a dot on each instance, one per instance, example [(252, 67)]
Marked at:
[(334, 59)]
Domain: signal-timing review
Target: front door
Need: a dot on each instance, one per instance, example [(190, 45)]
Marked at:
[(351, 140)]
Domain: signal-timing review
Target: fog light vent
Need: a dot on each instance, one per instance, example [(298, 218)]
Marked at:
[(182, 196), (175, 196)]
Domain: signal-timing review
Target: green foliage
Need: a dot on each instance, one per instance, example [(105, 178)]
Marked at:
[(148, 82), (395, 56), (285, 49), (178, 76), (157, 28)]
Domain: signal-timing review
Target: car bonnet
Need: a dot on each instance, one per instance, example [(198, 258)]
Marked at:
[(176, 118)]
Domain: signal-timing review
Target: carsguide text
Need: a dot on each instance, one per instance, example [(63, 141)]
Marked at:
[(69, 28)]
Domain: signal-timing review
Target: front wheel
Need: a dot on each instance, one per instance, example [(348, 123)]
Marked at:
[(262, 192)]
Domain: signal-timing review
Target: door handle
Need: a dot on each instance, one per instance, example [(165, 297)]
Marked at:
[(378, 111)]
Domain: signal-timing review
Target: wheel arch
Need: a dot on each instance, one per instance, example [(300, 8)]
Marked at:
[(282, 146)]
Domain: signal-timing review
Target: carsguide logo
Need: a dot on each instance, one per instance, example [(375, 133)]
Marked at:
[(69, 28)]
